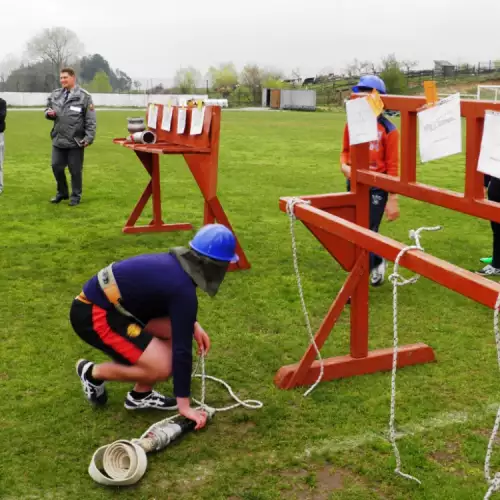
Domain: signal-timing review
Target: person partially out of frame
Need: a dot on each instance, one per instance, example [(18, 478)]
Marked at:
[(492, 267), (384, 158)]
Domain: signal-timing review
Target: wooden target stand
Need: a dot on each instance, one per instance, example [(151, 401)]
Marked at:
[(340, 222), (201, 153)]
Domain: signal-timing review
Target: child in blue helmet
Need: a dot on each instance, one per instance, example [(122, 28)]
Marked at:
[(120, 308), (384, 158)]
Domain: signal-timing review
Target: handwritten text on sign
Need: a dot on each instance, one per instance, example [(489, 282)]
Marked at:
[(362, 121), (440, 129), (489, 155)]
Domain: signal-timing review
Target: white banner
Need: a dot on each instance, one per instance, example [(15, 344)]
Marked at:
[(440, 129), (489, 155), (361, 121)]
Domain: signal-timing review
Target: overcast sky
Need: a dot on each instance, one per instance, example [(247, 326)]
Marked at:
[(153, 38)]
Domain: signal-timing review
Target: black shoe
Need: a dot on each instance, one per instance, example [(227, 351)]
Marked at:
[(74, 203), (58, 198), (155, 401), (95, 394)]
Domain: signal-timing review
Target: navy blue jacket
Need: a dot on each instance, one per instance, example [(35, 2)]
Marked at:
[(154, 286)]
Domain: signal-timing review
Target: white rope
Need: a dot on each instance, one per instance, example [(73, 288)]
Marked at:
[(251, 404), (495, 481), (398, 280), (290, 206)]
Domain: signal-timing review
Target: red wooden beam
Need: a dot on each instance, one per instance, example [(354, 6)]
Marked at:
[(450, 276), (413, 104), (482, 208), (379, 360)]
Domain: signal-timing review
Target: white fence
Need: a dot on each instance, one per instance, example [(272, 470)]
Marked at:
[(29, 99)]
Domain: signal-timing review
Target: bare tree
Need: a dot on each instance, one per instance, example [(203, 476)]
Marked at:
[(8, 64), (252, 76), (296, 76), (60, 46), (408, 64), (187, 79)]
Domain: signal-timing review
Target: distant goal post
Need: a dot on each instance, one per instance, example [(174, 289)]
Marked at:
[(488, 93)]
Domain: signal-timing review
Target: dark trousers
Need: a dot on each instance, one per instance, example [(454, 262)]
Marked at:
[(73, 159), (378, 202), (494, 195)]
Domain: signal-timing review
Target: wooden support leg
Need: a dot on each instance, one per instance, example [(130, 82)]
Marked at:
[(218, 214), (151, 163), (287, 377), (360, 361), (203, 173)]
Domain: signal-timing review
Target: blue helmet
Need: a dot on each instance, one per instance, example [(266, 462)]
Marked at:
[(369, 82), (216, 242)]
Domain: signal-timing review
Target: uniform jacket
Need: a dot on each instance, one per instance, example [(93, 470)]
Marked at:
[(3, 114), (384, 153), (75, 118)]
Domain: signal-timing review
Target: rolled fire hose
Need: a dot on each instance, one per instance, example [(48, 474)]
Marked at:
[(123, 462)]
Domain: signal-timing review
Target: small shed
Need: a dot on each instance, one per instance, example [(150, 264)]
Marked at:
[(289, 99), (444, 68)]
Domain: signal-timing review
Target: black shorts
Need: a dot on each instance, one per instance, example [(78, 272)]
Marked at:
[(115, 334)]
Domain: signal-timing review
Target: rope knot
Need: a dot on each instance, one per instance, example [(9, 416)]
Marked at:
[(290, 205)]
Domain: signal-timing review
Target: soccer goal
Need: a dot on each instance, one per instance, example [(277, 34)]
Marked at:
[(488, 92)]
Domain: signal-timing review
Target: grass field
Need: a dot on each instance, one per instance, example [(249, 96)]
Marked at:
[(331, 444)]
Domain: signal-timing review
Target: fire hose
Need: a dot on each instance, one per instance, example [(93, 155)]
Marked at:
[(124, 462)]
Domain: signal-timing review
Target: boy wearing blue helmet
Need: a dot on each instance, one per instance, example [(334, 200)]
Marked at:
[(384, 158), (142, 313)]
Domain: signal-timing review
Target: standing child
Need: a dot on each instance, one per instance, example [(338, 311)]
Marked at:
[(384, 159)]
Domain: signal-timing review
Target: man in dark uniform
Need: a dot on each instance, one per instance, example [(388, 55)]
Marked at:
[(142, 312), (72, 111), (3, 115)]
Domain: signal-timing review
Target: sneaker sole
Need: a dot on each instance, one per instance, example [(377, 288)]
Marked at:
[(138, 408)]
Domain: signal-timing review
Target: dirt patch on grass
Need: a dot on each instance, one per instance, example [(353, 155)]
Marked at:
[(486, 433), (316, 485), (450, 458), (447, 456)]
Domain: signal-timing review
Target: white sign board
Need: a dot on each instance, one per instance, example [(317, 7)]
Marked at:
[(166, 122), (361, 121), (440, 129), (489, 155), (197, 119), (152, 116), (181, 120)]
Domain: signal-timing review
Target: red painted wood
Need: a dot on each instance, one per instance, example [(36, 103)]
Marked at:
[(433, 195), (335, 232), (201, 153), (158, 228), (408, 171), (342, 251), (359, 301), (469, 284), (348, 366), (329, 322)]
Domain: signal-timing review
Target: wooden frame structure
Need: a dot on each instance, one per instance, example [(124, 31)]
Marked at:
[(201, 153), (340, 221)]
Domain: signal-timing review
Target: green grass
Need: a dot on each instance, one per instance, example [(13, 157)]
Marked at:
[(329, 445)]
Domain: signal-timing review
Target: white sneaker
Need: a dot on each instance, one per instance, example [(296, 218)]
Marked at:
[(95, 394), (155, 401), (377, 275), (489, 270)]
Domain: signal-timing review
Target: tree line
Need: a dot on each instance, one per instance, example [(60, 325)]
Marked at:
[(49, 51), (53, 48)]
